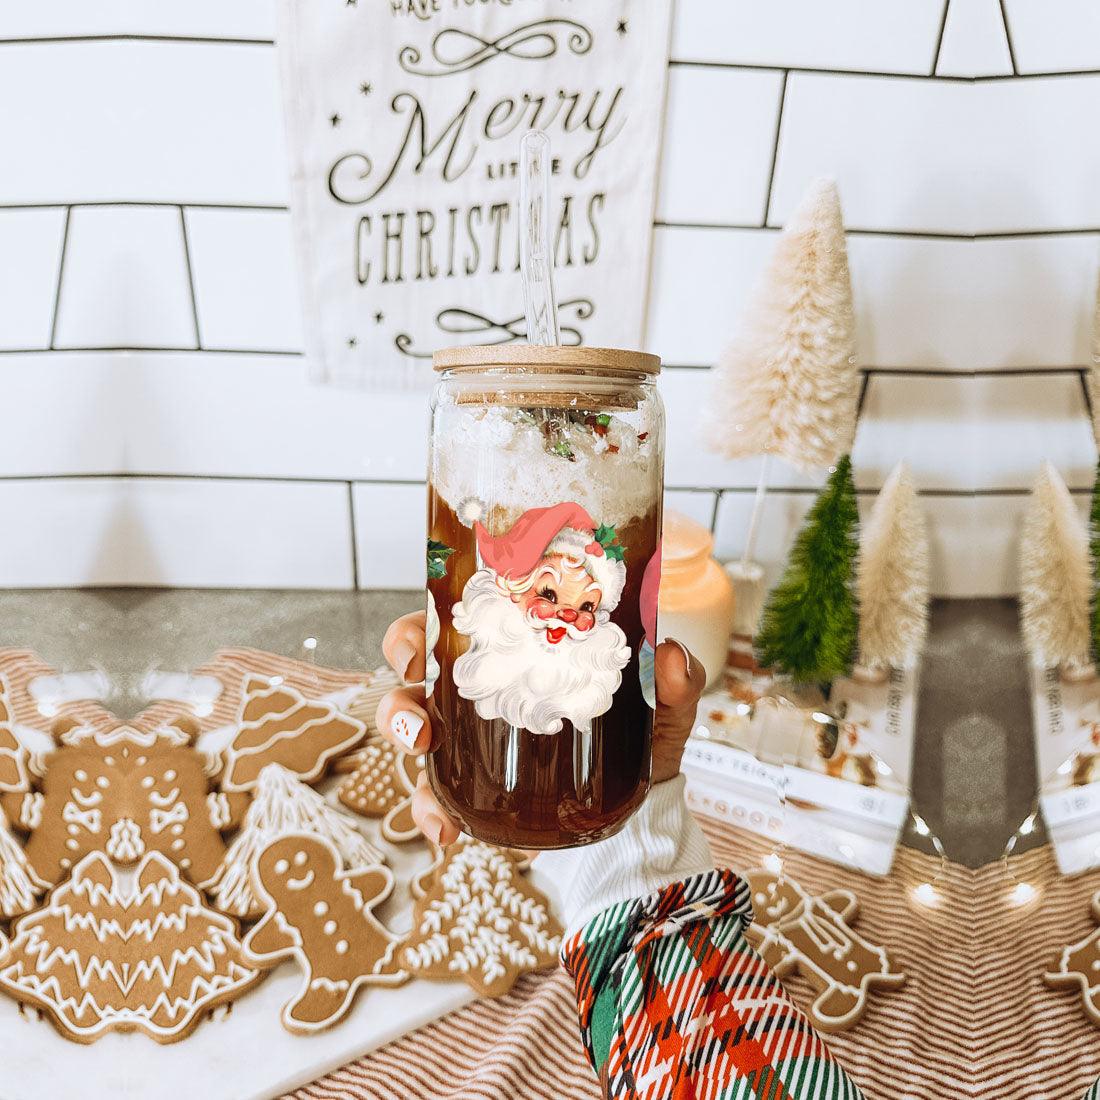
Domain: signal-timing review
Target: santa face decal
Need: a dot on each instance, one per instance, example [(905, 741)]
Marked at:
[(563, 598), (538, 615)]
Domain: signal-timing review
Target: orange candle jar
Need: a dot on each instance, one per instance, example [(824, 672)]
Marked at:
[(696, 602)]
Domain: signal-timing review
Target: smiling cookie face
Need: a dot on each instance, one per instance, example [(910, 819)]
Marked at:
[(291, 866)]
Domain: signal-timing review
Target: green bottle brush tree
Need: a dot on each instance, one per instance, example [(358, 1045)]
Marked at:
[(810, 625)]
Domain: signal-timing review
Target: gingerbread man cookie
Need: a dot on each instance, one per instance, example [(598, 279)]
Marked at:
[(383, 786), (102, 956), (321, 916), (278, 725), (124, 791), (283, 804), (477, 919), (795, 931), (1078, 967)]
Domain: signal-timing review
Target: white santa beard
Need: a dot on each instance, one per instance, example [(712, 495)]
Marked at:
[(510, 671)]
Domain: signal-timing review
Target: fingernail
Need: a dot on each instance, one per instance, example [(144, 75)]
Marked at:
[(406, 728), (433, 828), (687, 655), (403, 653)]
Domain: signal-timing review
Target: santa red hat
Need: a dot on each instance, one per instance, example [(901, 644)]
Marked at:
[(560, 529)]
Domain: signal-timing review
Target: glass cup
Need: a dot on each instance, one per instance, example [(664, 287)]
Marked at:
[(546, 475)]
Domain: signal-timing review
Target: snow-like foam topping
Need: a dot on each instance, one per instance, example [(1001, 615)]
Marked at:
[(502, 456)]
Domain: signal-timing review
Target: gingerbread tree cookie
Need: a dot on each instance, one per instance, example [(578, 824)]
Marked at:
[(99, 956), (123, 792), (480, 921), (283, 804), (797, 932), (278, 725), (382, 786), (19, 886), (1078, 967), (320, 915), (13, 770)]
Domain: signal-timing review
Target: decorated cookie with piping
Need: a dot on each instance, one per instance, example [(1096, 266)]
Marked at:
[(478, 920), (278, 725), (797, 932), (13, 768), (124, 792), (102, 956), (321, 916), (19, 885), (1078, 967), (383, 786), (283, 804)]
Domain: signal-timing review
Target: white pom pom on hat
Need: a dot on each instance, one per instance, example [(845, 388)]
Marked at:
[(470, 511)]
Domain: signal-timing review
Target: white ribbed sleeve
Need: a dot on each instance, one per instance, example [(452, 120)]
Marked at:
[(659, 845)]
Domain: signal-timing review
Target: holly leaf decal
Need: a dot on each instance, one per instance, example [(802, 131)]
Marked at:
[(609, 540), (438, 553)]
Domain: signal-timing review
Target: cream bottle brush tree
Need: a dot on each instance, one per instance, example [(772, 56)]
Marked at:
[(788, 384), (893, 577), (1055, 578)]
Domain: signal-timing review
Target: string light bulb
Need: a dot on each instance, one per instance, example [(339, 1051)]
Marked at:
[(1023, 893), (927, 894)]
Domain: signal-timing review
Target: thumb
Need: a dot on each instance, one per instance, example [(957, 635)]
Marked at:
[(680, 679)]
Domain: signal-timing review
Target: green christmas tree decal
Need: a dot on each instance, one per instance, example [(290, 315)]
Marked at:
[(1094, 552), (438, 553), (810, 624)]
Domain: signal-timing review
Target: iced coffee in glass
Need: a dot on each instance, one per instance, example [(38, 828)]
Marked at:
[(544, 519)]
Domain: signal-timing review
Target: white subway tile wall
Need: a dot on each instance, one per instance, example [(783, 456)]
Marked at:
[(124, 282), (146, 275), (1054, 36), (30, 254), (975, 42), (246, 294)]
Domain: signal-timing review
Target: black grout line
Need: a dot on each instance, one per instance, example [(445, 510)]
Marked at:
[(714, 512), (190, 279), (1036, 371), (354, 540), (775, 150), (993, 78), (1012, 234), (929, 372), (154, 349), (924, 77), (60, 275), (718, 491), (201, 40), (899, 234), (276, 479), (939, 38), (855, 231), (863, 386), (676, 63), (1084, 377), (145, 202), (1008, 39)]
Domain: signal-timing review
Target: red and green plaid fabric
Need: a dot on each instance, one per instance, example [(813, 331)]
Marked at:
[(676, 1005)]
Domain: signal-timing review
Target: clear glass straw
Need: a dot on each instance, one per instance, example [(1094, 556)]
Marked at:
[(536, 259)]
